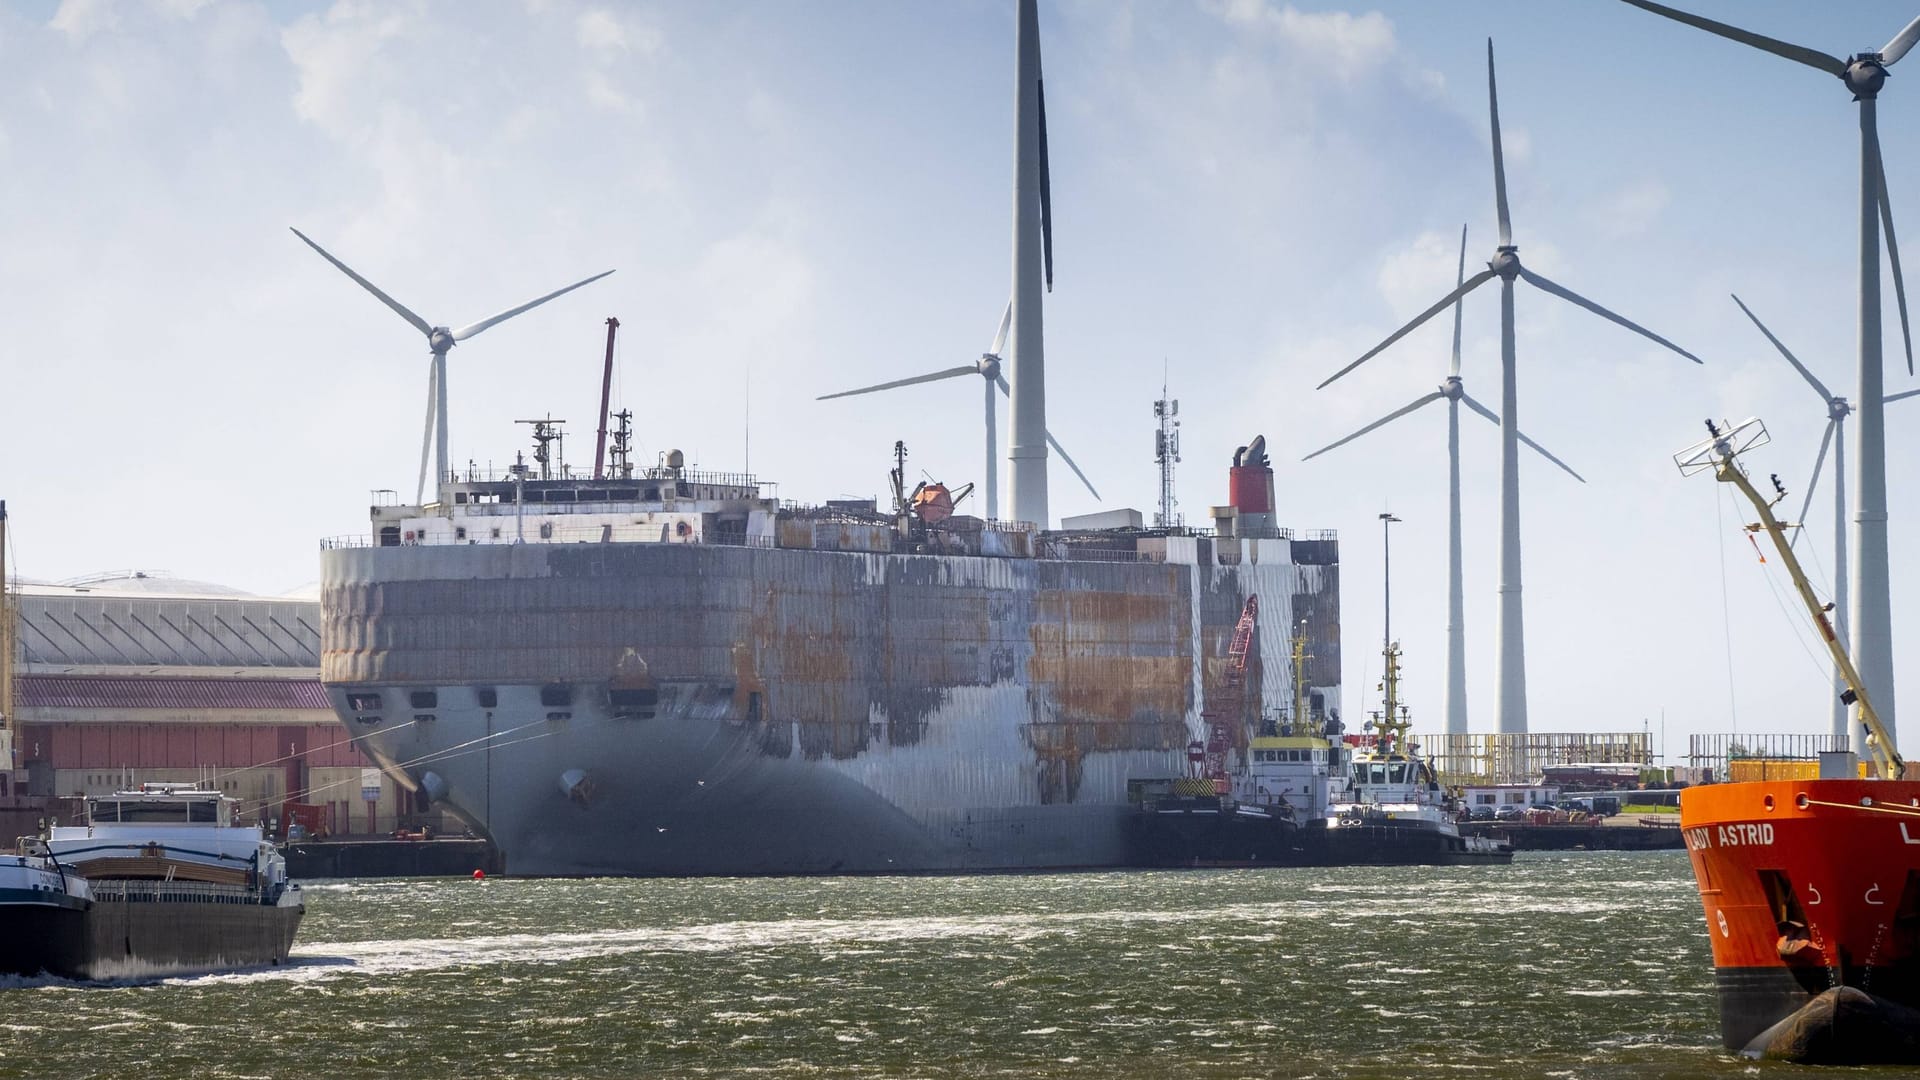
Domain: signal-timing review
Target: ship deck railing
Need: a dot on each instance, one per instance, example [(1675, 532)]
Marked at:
[(132, 890)]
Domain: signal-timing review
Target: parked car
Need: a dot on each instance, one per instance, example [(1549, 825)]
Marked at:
[(1510, 812), (1480, 813)]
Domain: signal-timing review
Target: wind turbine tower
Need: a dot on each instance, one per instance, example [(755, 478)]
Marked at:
[(1032, 267), (1511, 705), (1838, 409), (1863, 74), (1454, 392)]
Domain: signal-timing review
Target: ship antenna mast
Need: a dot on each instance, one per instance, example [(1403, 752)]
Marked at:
[(544, 432), (899, 477), (1393, 721), (1301, 721), (1725, 443), (606, 390), (1166, 452), (620, 457)]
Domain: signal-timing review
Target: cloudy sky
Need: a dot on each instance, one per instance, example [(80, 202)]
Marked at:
[(801, 198)]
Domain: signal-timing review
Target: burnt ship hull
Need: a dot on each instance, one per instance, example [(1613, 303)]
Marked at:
[(667, 708), (1811, 892)]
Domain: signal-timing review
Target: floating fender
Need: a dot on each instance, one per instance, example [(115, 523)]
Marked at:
[(433, 785), (1843, 1026), (575, 784)]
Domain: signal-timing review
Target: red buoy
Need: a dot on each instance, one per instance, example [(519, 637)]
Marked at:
[(479, 875)]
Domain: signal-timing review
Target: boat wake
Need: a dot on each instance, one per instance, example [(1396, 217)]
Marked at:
[(328, 960)]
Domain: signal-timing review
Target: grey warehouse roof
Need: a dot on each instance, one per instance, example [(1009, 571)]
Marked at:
[(66, 628)]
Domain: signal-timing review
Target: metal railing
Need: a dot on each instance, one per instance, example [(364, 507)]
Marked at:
[(137, 891)]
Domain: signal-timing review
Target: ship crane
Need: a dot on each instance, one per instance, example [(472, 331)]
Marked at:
[(1231, 702), (1719, 452)]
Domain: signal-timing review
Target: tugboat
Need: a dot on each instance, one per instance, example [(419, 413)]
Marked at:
[(1393, 810), (1253, 814), (1811, 888), (1396, 811), (171, 882), (44, 910)]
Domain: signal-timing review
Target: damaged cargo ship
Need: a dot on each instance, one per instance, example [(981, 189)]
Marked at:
[(675, 674)]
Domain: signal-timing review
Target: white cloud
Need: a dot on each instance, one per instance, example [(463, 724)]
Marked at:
[(338, 57), (81, 19), (603, 94), (604, 33), (1357, 44), (180, 9), (1412, 278), (1633, 209)]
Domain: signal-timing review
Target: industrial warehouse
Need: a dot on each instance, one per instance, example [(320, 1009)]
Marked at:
[(129, 678)]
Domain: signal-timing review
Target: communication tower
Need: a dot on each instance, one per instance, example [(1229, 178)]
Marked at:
[(1166, 451)]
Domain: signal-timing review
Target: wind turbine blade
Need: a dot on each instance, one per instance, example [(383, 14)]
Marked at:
[(1893, 247), (1494, 418), (1062, 451), (1892, 51), (1459, 279), (1499, 162), (1425, 399), (400, 309), (1569, 295), (1819, 387), (1000, 338), (1468, 286), (1800, 54), (426, 435), (1001, 382), (1902, 394), (1046, 189), (949, 373), (1819, 460), (471, 329)]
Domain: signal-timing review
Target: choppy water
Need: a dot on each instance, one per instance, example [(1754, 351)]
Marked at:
[(1568, 965)]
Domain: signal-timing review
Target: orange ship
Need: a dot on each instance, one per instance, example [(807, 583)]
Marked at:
[(1811, 888)]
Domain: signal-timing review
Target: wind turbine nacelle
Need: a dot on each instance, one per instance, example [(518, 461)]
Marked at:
[(1865, 75), (440, 339)]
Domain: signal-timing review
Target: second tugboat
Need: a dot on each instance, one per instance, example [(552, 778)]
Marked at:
[(1811, 888), (1395, 810)]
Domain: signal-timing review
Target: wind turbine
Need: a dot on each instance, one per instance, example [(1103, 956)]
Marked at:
[(1864, 74), (1454, 392), (1838, 409), (988, 368), (1511, 704), (1032, 258), (439, 340)]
